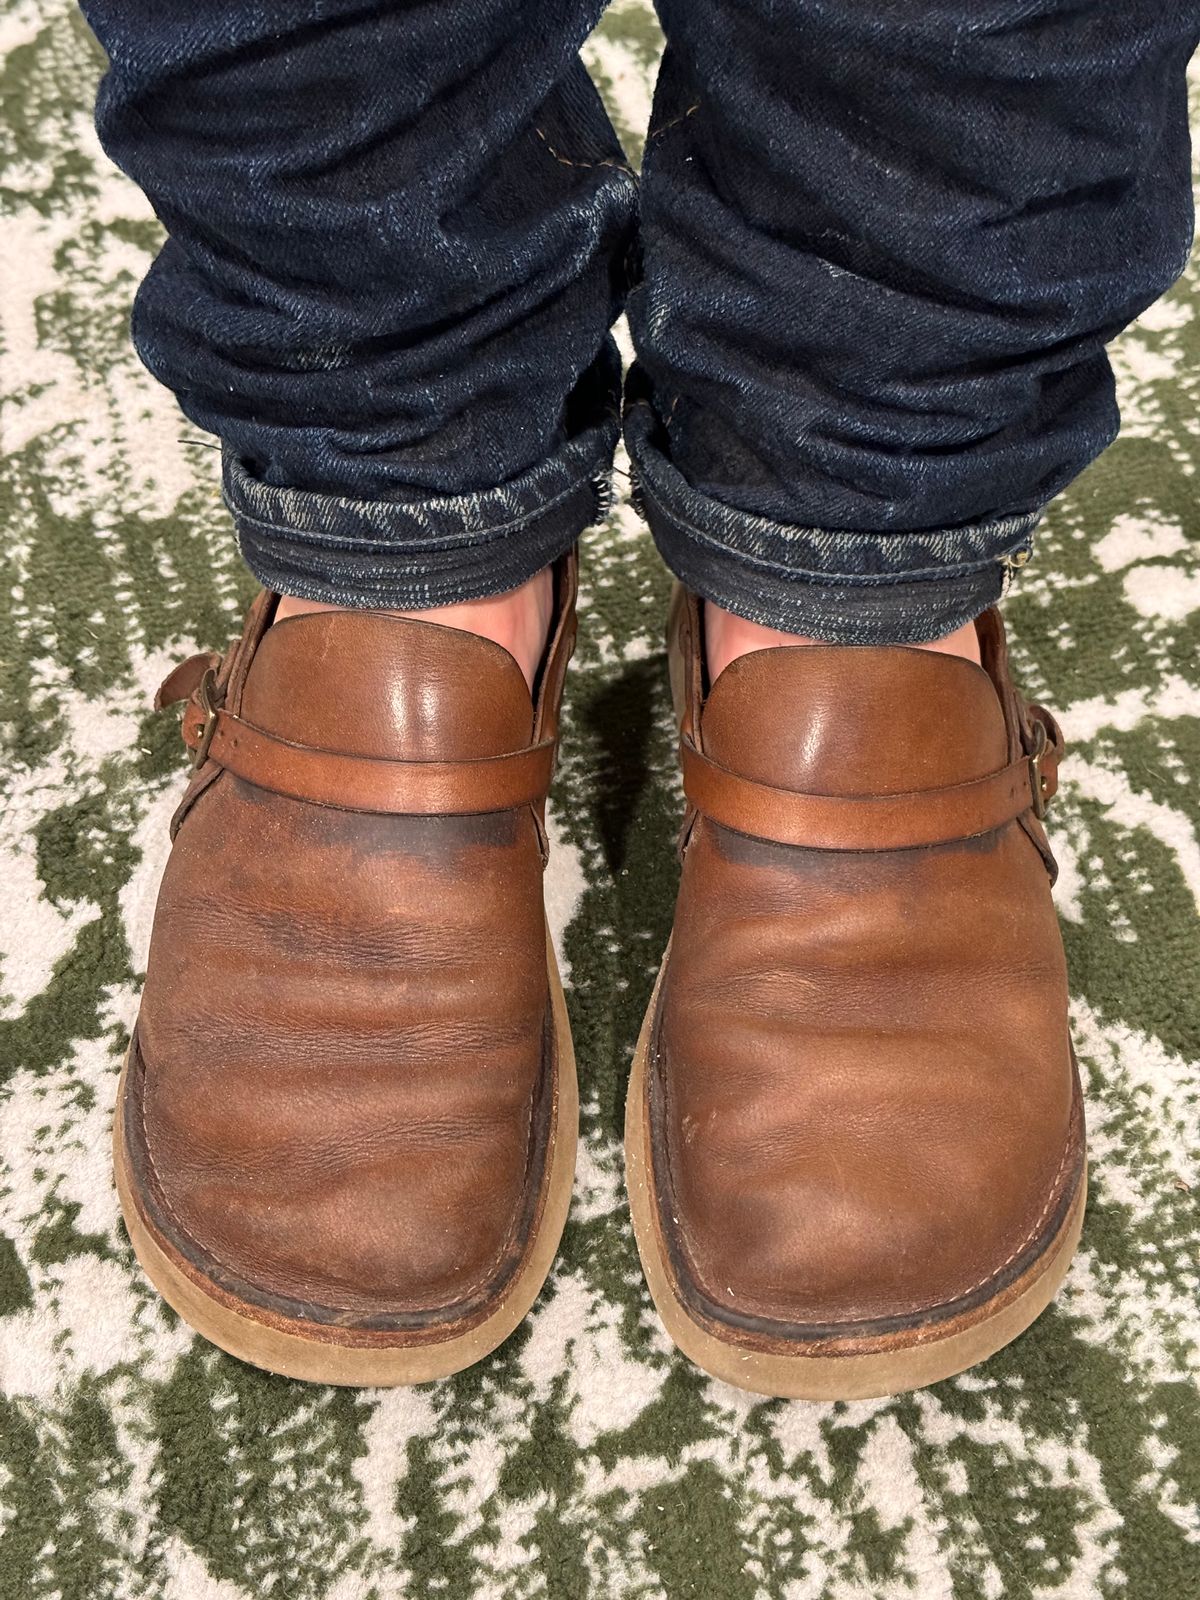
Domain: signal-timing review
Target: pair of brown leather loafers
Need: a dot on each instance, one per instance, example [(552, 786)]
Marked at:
[(345, 1136)]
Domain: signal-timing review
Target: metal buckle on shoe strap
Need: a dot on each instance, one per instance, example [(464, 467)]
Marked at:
[(1037, 782), (207, 699)]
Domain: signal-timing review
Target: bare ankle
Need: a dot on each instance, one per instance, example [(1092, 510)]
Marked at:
[(518, 619), (728, 636)]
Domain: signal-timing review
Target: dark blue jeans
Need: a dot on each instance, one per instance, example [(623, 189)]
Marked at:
[(882, 246)]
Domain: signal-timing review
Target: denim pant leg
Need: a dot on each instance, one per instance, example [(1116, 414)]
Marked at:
[(397, 242), (885, 245)]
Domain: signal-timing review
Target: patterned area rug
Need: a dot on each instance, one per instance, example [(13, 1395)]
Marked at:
[(585, 1458)]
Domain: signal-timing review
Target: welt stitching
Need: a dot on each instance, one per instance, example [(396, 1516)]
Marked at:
[(1028, 1239), (658, 1058), (154, 1173)]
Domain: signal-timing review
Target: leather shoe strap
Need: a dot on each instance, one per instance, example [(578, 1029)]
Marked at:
[(368, 783), (871, 822), (362, 783)]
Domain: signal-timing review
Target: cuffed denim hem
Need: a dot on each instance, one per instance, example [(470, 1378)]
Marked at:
[(845, 587), (409, 555)]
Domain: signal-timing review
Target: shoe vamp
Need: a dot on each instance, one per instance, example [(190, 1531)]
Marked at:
[(343, 1031), (865, 1079)]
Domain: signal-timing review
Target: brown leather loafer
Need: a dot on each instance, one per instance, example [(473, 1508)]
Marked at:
[(854, 1134), (345, 1136)]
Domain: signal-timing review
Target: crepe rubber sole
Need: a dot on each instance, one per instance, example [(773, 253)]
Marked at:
[(321, 1353), (911, 1358)]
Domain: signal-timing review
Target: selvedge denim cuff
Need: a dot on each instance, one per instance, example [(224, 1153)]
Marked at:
[(846, 587), (411, 554)]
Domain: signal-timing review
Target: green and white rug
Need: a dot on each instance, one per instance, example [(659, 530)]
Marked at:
[(585, 1459)]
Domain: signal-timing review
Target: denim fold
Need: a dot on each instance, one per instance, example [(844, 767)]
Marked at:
[(834, 584), (427, 550)]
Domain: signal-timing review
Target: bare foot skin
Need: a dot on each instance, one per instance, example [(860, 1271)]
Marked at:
[(518, 620), (727, 636)]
